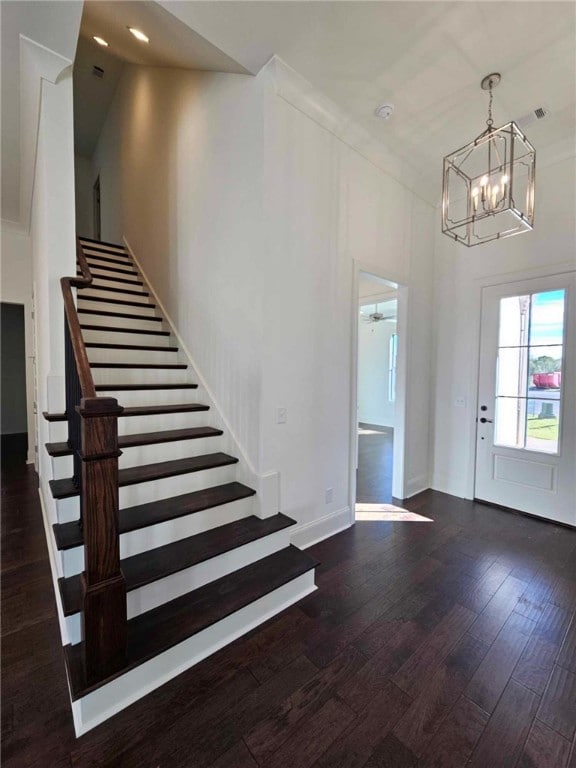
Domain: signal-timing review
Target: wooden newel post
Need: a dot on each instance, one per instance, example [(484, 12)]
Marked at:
[(104, 588)]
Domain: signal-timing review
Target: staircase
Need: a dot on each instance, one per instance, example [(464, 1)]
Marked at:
[(198, 567)]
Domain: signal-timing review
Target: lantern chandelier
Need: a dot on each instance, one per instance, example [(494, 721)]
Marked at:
[(488, 185)]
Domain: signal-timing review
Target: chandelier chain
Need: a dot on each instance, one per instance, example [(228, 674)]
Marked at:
[(490, 121)]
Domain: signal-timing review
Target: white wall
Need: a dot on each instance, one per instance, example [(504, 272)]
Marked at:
[(374, 404), (53, 255), (459, 275), (16, 288), (248, 215), (84, 182)]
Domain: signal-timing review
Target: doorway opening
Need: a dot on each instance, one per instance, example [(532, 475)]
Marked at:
[(378, 381), (14, 410)]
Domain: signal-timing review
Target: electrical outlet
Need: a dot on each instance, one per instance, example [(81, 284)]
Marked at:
[(281, 415), (329, 495), (460, 402)]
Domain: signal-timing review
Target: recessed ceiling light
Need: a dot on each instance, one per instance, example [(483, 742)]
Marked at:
[(139, 35), (384, 111), (100, 41)]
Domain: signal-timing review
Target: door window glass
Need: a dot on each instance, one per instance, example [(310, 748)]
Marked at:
[(529, 371)]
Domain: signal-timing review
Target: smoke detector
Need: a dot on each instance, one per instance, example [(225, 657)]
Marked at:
[(384, 111), (540, 113)]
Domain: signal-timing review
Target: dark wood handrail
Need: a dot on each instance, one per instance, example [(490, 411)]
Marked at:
[(80, 354)]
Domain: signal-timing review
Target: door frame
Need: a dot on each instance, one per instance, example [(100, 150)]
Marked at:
[(399, 444), (476, 306), (96, 209)]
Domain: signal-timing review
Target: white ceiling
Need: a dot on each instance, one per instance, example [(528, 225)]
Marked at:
[(92, 95), (427, 58), (372, 288), (172, 44)]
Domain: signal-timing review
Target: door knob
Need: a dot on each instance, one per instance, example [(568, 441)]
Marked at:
[(484, 420)]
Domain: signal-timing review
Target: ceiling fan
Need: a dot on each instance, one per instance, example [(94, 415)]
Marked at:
[(377, 317)]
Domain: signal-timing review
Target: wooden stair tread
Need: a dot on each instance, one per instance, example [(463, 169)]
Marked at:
[(118, 301), (154, 410), (158, 630), (145, 438), (119, 270), (69, 535), (147, 347), (162, 366), (54, 416), (130, 387), (158, 563), (65, 488), (129, 316), (101, 242), (109, 257), (110, 289), (119, 329), (112, 278), (142, 410)]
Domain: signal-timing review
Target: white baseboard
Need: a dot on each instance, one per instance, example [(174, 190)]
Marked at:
[(307, 534), (53, 556), (416, 485)]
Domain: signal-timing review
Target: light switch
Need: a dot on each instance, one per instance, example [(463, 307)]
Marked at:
[(281, 416)]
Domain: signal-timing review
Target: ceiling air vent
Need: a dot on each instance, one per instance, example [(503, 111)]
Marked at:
[(98, 72), (540, 113)]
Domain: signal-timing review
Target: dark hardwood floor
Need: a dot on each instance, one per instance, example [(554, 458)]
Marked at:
[(374, 473), (437, 645)]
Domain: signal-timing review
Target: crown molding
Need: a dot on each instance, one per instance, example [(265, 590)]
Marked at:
[(293, 88)]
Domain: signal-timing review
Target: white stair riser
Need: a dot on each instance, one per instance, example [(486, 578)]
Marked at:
[(103, 269), (142, 311), (58, 431), (105, 250), (179, 449), (109, 282), (136, 397), (97, 292), (106, 701), (142, 493), (117, 321), (105, 336), (148, 454), (162, 591), (104, 355), (143, 539), (141, 376), (134, 425)]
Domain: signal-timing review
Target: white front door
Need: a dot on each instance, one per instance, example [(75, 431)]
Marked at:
[(526, 420)]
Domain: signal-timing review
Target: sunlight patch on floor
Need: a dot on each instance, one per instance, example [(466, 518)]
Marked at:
[(388, 513)]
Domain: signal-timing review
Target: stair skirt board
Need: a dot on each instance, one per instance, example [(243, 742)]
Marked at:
[(92, 709), (170, 587)]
